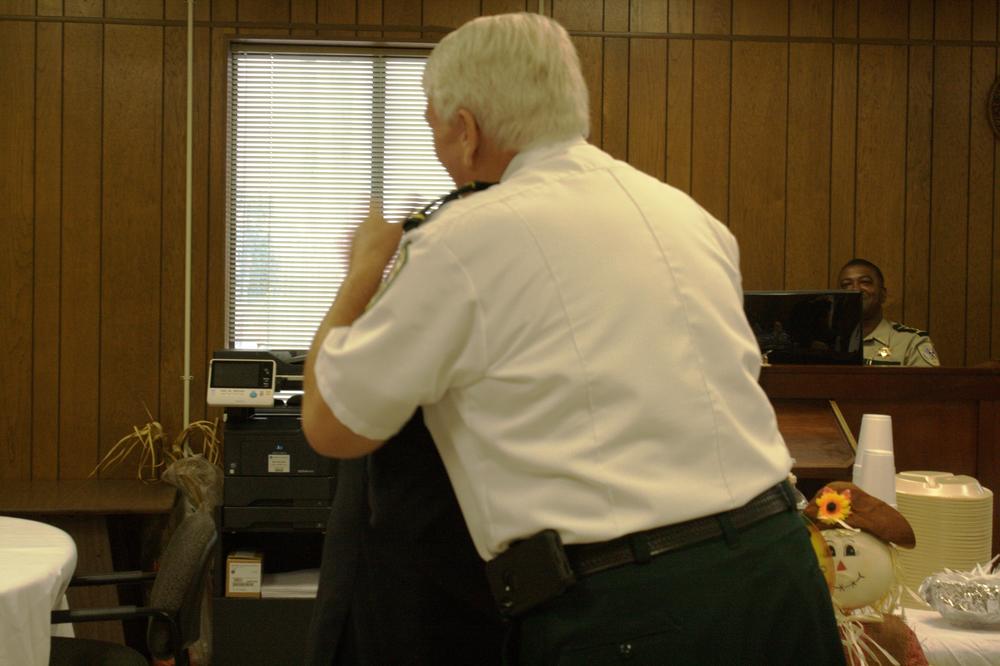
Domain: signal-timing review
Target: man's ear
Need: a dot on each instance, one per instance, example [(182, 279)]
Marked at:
[(470, 137)]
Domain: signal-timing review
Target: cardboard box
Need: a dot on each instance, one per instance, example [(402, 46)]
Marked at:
[(244, 569)]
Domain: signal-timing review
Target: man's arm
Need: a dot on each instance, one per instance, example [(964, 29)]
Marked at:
[(375, 242), (921, 353)]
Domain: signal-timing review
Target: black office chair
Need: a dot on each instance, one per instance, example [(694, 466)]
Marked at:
[(174, 609)]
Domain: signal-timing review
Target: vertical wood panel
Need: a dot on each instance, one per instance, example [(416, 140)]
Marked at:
[(647, 88), (647, 105), (177, 10), (984, 20), (48, 205), (201, 223), (918, 187), (679, 107), (134, 9), (80, 301), (591, 52), (648, 16), (680, 16), (949, 201), (400, 12), (760, 17), (172, 257), (982, 146), (588, 16), (809, 121), (369, 13), (922, 19), (843, 161), (17, 7), (615, 98), (263, 11), (616, 15), (225, 10), (952, 19), (450, 13), (215, 333), (882, 18), (757, 171), (303, 12), (712, 17), (17, 131), (504, 6), (130, 233), (49, 7), (334, 12), (84, 7), (811, 18), (845, 18), (995, 309), (881, 165), (615, 82), (710, 131)]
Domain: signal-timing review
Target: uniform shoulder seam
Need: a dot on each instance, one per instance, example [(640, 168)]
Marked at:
[(906, 329)]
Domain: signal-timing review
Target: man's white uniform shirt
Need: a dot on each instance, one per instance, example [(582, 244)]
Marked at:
[(576, 337)]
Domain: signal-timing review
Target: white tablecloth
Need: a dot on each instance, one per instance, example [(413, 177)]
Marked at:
[(947, 645), (36, 563)]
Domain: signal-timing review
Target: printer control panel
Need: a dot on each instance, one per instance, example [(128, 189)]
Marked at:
[(237, 382)]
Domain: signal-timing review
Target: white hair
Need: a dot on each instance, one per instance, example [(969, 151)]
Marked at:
[(518, 74)]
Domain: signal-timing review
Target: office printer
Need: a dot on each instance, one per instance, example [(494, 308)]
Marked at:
[(274, 481)]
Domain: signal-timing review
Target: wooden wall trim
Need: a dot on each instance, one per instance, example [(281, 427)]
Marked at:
[(309, 29)]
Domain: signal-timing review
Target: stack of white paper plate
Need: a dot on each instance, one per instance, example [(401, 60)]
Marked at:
[(952, 518)]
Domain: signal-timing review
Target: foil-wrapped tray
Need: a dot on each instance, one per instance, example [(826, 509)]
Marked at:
[(969, 599)]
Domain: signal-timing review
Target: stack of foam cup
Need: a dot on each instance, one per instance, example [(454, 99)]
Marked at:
[(874, 464)]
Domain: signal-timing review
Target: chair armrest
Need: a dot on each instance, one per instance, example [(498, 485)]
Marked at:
[(115, 578), (94, 614), (114, 613)]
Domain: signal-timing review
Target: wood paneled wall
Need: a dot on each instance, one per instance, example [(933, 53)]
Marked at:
[(816, 129)]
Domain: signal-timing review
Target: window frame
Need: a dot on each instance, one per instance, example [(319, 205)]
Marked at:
[(265, 44)]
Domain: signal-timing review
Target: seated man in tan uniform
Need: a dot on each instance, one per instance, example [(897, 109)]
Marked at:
[(886, 342)]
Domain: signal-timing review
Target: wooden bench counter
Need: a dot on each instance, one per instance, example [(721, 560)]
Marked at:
[(85, 496)]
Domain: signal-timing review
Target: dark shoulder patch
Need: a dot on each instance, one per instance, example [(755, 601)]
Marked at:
[(906, 329)]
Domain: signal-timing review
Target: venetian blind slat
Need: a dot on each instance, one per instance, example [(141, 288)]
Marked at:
[(313, 136)]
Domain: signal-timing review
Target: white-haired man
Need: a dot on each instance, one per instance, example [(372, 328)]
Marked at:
[(576, 338)]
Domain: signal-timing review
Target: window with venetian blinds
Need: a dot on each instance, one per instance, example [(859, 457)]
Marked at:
[(313, 136)]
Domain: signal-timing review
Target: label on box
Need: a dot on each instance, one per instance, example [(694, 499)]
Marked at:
[(279, 463), (243, 574)]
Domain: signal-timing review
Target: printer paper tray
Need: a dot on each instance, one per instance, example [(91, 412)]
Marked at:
[(274, 518)]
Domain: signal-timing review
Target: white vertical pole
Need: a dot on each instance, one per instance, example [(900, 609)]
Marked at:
[(187, 215)]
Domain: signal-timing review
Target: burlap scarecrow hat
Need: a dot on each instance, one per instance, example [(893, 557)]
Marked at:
[(843, 502)]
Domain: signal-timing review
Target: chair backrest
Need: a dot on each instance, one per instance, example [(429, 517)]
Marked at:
[(179, 581)]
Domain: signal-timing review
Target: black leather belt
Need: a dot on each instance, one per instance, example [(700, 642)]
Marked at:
[(590, 558)]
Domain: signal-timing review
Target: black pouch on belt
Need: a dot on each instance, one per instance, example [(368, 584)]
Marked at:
[(529, 573)]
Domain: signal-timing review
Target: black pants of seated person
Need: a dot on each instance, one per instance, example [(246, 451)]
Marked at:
[(401, 582)]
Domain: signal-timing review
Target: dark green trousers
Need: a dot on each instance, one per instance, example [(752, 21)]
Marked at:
[(755, 597)]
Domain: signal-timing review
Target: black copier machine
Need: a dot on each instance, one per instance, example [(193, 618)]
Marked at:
[(273, 480)]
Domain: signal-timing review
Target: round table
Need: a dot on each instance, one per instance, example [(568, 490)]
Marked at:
[(36, 563)]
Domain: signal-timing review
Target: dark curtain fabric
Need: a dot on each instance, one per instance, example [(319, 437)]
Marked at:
[(401, 582)]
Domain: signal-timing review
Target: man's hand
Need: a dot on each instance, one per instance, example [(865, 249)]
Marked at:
[(375, 241)]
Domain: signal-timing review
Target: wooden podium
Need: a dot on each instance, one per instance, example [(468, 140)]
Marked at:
[(943, 419)]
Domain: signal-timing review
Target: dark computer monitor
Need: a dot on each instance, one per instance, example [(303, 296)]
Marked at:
[(817, 327)]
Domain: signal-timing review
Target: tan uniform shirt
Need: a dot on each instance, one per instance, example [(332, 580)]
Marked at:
[(892, 343)]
